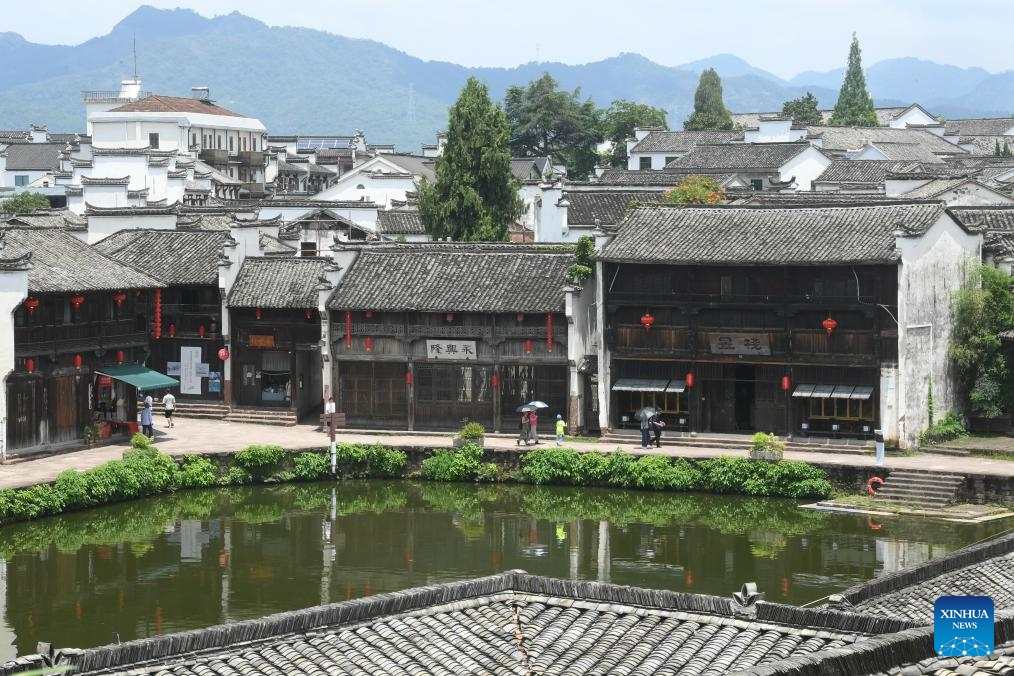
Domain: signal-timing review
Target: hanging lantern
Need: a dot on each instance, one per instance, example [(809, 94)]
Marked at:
[(158, 313), (408, 377), (786, 383), (119, 297), (520, 317), (29, 365), (137, 293), (257, 313), (549, 332), (77, 361), (32, 304), (172, 330), (77, 300), (528, 347), (829, 325), (348, 329), (691, 380), (369, 314), (495, 380), (223, 354), (368, 343), (450, 316), (647, 321), (119, 357), (309, 313), (201, 331)]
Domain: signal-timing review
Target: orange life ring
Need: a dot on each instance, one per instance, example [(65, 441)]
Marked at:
[(874, 480), (872, 524)]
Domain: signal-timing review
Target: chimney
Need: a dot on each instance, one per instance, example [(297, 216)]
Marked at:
[(200, 93)]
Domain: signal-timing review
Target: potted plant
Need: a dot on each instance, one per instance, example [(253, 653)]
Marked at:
[(90, 434), (470, 433), (766, 446)]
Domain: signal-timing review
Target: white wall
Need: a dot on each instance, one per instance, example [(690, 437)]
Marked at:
[(973, 195), (580, 306), (13, 290), (100, 227), (806, 167), (911, 116), (933, 267), (894, 187)]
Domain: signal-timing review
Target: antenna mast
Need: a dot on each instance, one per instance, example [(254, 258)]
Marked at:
[(135, 57)]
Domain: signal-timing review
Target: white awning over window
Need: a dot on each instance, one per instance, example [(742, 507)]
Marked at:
[(640, 384), (842, 391), (822, 391), (862, 392), (804, 390), (677, 386)]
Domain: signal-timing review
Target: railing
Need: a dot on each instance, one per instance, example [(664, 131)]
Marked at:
[(95, 96), (251, 158), (215, 156), (646, 297), (169, 309), (368, 329), (839, 342), (450, 331), (521, 331), (54, 338), (634, 338)]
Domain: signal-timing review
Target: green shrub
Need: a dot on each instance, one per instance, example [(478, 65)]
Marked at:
[(472, 430), (579, 273), (139, 440), (311, 466), (726, 475), (948, 428), (459, 465), (383, 462), (197, 472), (154, 472), (766, 446), (260, 456), (111, 482), (661, 473), (39, 500), (594, 467), (236, 476), (552, 466), (489, 472), (619, 470), (73, 488)]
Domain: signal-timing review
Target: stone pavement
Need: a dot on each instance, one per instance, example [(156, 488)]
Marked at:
[(202, 436)]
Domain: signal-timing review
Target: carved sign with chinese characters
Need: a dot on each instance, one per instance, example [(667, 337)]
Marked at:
[(740, 343), (460, 350)]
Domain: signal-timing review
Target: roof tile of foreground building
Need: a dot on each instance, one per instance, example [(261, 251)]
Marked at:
[(401, 221), (278, 282), (176, 257), (174, 104), (682, 141), (504, 624), (452, 278), (767, 235), (738, 156), (607, 206), (663, 178)]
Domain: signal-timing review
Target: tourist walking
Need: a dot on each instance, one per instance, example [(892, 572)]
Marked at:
[(657, 425), (169, 406), (329, 410), (526, 428), (561, 428), (533, 423), (645, 418), (146, 424)]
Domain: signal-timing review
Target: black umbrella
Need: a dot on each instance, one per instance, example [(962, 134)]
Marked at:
[(645, 413)]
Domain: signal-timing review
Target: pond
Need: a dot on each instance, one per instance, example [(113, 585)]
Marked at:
[(200, 558)]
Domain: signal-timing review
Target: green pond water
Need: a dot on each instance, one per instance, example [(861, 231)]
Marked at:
[(200, 558)]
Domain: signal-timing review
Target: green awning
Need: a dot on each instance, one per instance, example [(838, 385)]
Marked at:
[(139, 376)]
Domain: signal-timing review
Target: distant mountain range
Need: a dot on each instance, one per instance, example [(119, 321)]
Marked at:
[(300, 80)]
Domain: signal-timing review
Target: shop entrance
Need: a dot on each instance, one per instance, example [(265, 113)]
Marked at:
[(744, 397)]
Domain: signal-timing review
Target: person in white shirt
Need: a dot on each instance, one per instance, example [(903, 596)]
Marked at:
[(169, 404)]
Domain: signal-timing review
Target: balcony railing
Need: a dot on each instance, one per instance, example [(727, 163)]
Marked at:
[(56, 338), (215, 156), (634, 338), (251, 158)]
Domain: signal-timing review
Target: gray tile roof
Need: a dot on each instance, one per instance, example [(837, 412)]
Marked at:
[(34, 156), (46, 218), (454, 278), (61, 263), (271, 246), (985, 218), (936, 187), (664, 179), (276, 282), (985, 569), (506, 624), (859, 171), (853, 138), (994, 126), (986, 145), (682, 141), (738, 156), (402, 221), (743, 235), (529, 168), (607, 206), (175, 257), (916, 152), (884, 116)]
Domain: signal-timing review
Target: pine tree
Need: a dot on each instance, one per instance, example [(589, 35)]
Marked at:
[(474, 195), (803, 111), (855, 105), (710, 113)]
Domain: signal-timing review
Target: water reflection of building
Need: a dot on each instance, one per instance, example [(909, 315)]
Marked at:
[(895, 555)]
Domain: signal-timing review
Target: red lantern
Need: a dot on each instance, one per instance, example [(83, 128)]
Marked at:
[(829, 325), (257, 313), (786, 383), (520, 317), (549, 332), (223, 354), (495, 380), (369, 314), (119, 297), (528, 347), (691, 380), (450, 316), (158, 313), (408, 377), (172, 330), (309, 313), (77, 361), (29, 365), (647, 320), (348, 329), (32, 304), (201, 331), (77, 300), (119, 356), (368, 343)]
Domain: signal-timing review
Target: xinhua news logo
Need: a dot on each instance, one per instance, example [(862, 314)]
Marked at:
[(963, 625)]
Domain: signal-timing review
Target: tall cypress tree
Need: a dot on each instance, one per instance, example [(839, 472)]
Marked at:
[(474, 195), (855, 105), (710, 113)]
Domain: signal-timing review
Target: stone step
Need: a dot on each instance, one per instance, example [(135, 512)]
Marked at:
[(921, 473), (203, 410), (897, 492), (730, 443), (930, 483), (263, 417)]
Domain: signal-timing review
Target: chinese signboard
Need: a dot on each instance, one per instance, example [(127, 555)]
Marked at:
[(451, 349), (190, 379), (740, 343)]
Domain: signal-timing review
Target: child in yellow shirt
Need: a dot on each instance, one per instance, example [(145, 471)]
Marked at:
[(561, 428)]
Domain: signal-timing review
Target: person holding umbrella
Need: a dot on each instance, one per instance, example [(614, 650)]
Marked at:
[(533, 424), (525, 425), (644, 416)]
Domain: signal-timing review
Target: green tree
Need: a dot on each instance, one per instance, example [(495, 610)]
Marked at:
[(24, 203), (695, 190), (474, 195), (983, 310), (855, 105), (621, 118), (545, 121), (710, 113), (803, 111)]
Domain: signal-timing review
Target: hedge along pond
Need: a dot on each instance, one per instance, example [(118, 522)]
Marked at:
[(144, 471)]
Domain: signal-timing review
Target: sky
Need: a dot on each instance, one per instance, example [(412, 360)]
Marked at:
[(784, 37)]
